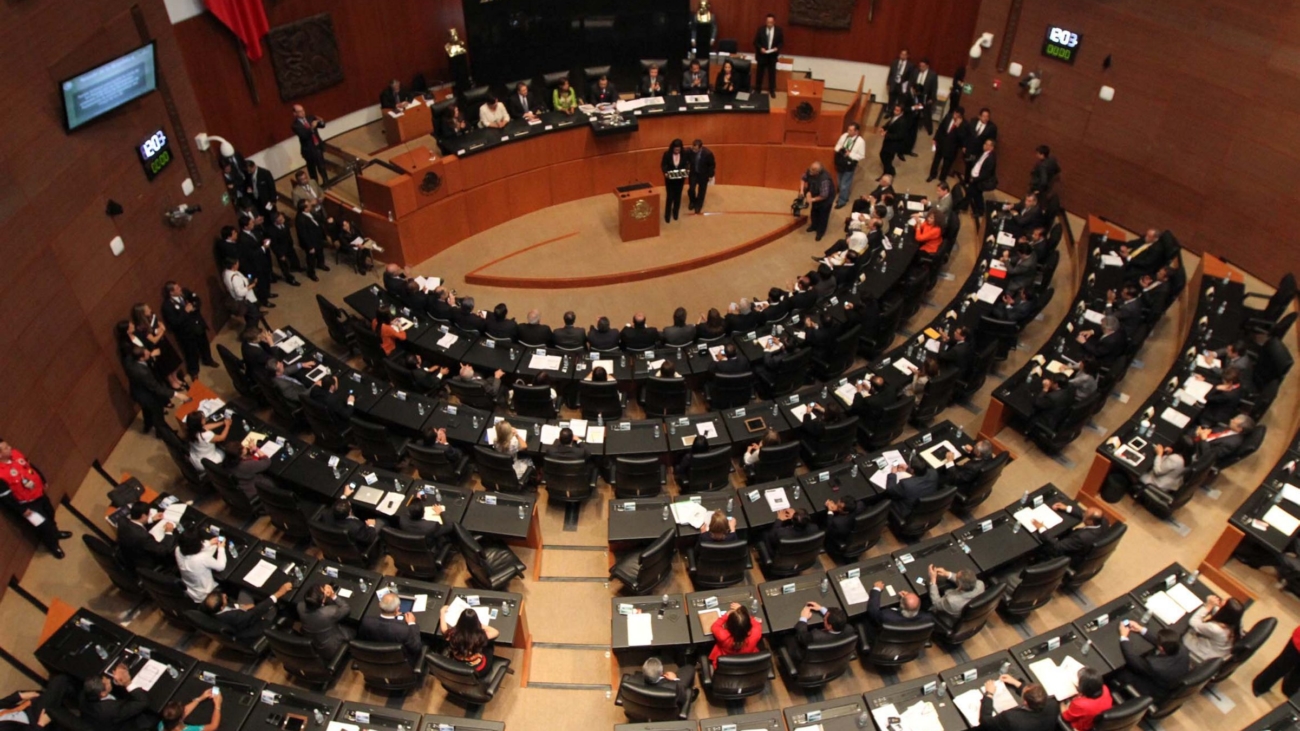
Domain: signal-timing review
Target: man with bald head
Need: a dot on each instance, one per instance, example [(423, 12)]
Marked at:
[(310, 142), (818, 190), (1079, 541), (392, 625), (637, 336), (908, 613), (533, 333), (394, 278), (1145, 255)]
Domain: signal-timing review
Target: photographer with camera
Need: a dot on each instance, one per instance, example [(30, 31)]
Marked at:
[(816, 189), (849, 151)]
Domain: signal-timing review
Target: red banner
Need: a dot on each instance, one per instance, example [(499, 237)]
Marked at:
[(246, 19)]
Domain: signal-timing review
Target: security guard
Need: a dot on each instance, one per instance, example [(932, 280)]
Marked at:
[(22, 489)]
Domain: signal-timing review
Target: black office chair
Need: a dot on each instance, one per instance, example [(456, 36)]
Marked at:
[(471, 393), (1033, 587), (937, 396), (1089, 563), (179, 452), (821, 663), (1245, 648), (716, 564), (834, 444), (335, 545), (643, 702), (969, 498), (378, 445), (638, 477), (1188, 687), (300, 660), (436, 464), (1053, 439), (569, 480), (399, 375), (737, 676), (490, 566), (665, 396), (168, 592), (442, 110), (775, 462), (227, 488), (887, 428), (704, 66), (284, 510), (868, 526), (662, 63), (461, 682), (592, 74), (535, 401), (829, 365), (729, 390), (471, 101), (370, 345), (236, 369), (973, 380), (385, 667), (790, 374), (110, 560), (791, 556), (512, 85), (643, 570), (322, 427), (337, 323), (740, 67), (1164, 504), (1004, 333), (412, 555), (953, 631), (601, 399), (554, 78), (225, 637), (709, 470), (926, 514), (1122, 716), (1260, 321), (1250, 444), (894, 645), (496, 470)]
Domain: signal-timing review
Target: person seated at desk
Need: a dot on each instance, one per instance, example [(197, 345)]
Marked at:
[(601, 336), (667, 369), (819, 416), (521, 104), (138, 547), (1154, 674), (250, 470), (694, 81), (959, 353), (682, 470), (728, 82), (840, 512), (1024, 216), (1077, 542), (820, 333), (468, 641), (964, 476), (908, 613), (1222, 442), (683, 681), (339, 406), (391, 625), (499, 324), (564, 98), (872, 397), (834, 622), (921, 378), (1127, 306), (1167, 468), (1213, 629), (289, 387), (198, 558), (711, 325), (25, 710), (427, 379), (568, 446), (1083, 384), (1093, 700), (679, 334), (204, 438), (511, 441), (386, 330), (1040, 711), (1014, 306), (862, 311), (1224, 400), (532, 333), (791, 523), (906, 491), (352, 241), (469, 319), (416, 521), (1106, 347), (452, 123), (598, 375), (493, 114), (928, 234), (735, 632), (637, 336), (174, 713), (569, 337), (1233, 355), (1022, 268), (802, 296), (248, 621), (1144, 255), (721, 529), (604, 92), (652, 84), (107, 705), (823, 281), (750, 458), (742, 317), (320, 616), (362, 533), (950, 602), (392, 98)]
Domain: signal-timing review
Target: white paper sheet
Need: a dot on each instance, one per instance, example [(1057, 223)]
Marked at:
[(1282, 520), (596, 435), (270, 448), (148, 675), (1060, 681), (921, 716), (458, 607), (707, 429), (545, 362), (431, 515), (1165, 608), (288, 345), (1184, 597), (420, 603), (915, 206), (691, 513), (799, 411), (884, 713), (1006, 239), (776, 499), (1093, 316), (1110, 260), (905, 366), (1198, 390), (989, 293), (640, 629), (1292, 493), (340, 726), (854, 591), (260, 573), (391, 503), (1175, 417), (550, 434), (447, 340), (969, 702), (428, 284), (934, 456), (846, 392), (1203, 361), (1043, 513)]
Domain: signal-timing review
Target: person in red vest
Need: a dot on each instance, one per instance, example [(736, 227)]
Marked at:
[(22, 489)]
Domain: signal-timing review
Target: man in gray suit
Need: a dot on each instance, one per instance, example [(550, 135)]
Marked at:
[(321, 614), (942, 205), (287, 386), (947, 605)]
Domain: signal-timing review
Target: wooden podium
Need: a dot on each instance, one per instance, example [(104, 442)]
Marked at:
[(415, 121), (803, 111), (638, 211)]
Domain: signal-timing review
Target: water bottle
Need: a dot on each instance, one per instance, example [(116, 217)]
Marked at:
[(941, 690), (664, 601), (657, 431), (392, 587), (234, 550), (99, 650), (796, 491), (666, 512), (600, 419), (1015, 527), (319, 715), (1024, 499), (173, 672), (297, 572), (1087, 647), (521, 511), (1223, 306), (1006, 666), (1146, 617), (775, 408), (537, 430), (437, 497), (731, 504), (419, 407), (825, 585), (1192, 577), (672, 429), (622, 361), (863, 720), (363, 586), (753, 606), (505, 608), (374, 388), (853, 470)]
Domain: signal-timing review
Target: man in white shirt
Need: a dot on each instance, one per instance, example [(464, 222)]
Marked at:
[(241, 291), (493, 114), (849, 151)]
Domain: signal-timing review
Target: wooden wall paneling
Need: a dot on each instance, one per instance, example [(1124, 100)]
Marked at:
[(487, 205), (529, 192), (740, 165), (785, 165), (570, 181), (615, 170)]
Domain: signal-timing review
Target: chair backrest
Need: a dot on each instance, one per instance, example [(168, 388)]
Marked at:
[(709, 470), (411, 554), (1250, 444), (298, 657), (795, 555), (980, 490), (400, 375), (1245, 648), (433, 462), (568, 480), (927, 513), (1037, 583), (1122, 717), (974, 615), (656, 561), (1282, 326), (868, 525), (222, 634), (824, 661), (322, 426), (638, 477), (777, 462), (662, 63), (600, 399), (730, 390), (228, 489), (335, 545), (741, 676), (643, 702), (282, 507), (1273, 363), (1281, 299), (471, 393), (664, 396), (370, 345), (592, 74), (898, 644), (1190, 685), (890, 425), (938, 394), (554, 78), (704, 66), (974, 379), (534, 401), (384, 665), (835, 442), (741, 67), (1089, 563), (791, 373), (842, 353), (475, 557), (497, 469), (238, 374), (110, 560), (471, 100), (168, 592), (181, 457), (336, 322), (720, 563), (458, 678), (376, 445)]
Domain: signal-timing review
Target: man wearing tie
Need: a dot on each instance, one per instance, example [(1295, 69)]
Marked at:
[(767, 48), (309, 142), (949, 140), (259, 187), (849, 151), (603, 92), (521, 104), (703, 166), (676, 166), (652, 84), (977, 131), (900, 80), (695, 81), (924, 89), (894, 131), (983, 177)]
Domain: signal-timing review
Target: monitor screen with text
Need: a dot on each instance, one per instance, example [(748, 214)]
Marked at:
[(96, 92)]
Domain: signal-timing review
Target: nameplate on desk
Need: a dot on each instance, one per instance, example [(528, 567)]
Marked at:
[(331, 572), (748, 106), (489, 499), (1103, 620), (753, 496), (549, 127), (853, 573), (823, 476), (986, 526), (505, 138), (334, 461), (726, 106), (788, 588), (655, 111), (1053, 643), (727, 727), (930, 687), (451, 410), (969, 675), (625, 609), (637, 113), (814, 716), (907, 558), (361, 717), (710, 602), (521, 134)]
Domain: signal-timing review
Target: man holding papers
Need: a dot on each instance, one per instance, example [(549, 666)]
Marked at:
[(1156, 673), (1077, 542), (140, 550), (1039, 712), (905, 490)]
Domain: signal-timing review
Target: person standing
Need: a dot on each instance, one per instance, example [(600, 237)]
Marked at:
[(818, 191), (925, 87), (146, 391), (676, 167), (894, 130), (1045, 171), (978, 130), (311, 144), (22, 489), (311, 239), (703, 166), (982, 177), (182, 310), (282, 247), (900, 79), (849, 151), (949, 140), (767, 49), (1285, 667)]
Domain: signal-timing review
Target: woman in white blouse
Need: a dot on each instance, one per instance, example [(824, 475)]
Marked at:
[(198, 561), (204, 438), (509, 441), (1213, 629)]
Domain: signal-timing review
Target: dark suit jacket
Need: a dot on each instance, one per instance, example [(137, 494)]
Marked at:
[(248, 624), (388, 99), (839, 526), (743, 323), (1044, 171), (704, 162), (805, 636), (894, 82), (125, 712), (516, 106), (569, 336), (975, 140), (760, 42), (905, 494), (634, 338), (1221, 406), (677, 335), (145, 388), (895, 134), (607, 340), (1076, 542), (1221, 447), (281, 239), (958, 355), (869, 408), (375, 628), (608, 96), (265, 189), (140, 550), (307, 137), (311, 232), (739, 82), (538, 334), (1019, 718), (360, 533), (739, 364), (433, 531), (1106, 348), (697, 83), (256, 356), (322, 626), (500, 328), (1152, 674), (926, 91), (892, 615), (988, 177), (949, 143), (1051, 407), (643, 89)]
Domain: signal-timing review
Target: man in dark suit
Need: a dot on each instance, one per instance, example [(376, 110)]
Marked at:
[(908, 613), (682, 681), (1156, 673), (1129, 309), (277, 231), (899, 81), (680, 333), (390, 625), (534, 333), (1053, 402), (730, 361), (320, 614), (255, 257), (1025, 216), (1079, 541), (982, 176), (226, 246), (895, 133), (442, 305), (905, 493), (1014, 306), (339, 406), (694, 80), (395, 279), (146, 391), (703, 167), (138, 547), (522, 104), (310, 143), (290, 388), (959, 352), (569, 336), (1224, 400), (949, 141), (467, 318), (742, 317), (1221, 442), (637, 336), (1040, 711), (248, 622), (964, 476), (106, 704), (978, 131), (259, 187), (499, 324), (834, 622), (872, 398), (311, 238), (182, 311), (653, 83), (925, 87), (604, 92), (601, 336), (840, 512), (1045, 170), (416, 522), (392, 98), (1107, 346), (767, 50), (362, 533)]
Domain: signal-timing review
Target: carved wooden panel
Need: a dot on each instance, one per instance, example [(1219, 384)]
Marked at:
[(305, 56), (832, 14)]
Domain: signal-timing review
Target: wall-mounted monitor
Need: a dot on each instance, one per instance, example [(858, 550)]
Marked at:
[(94, 93)]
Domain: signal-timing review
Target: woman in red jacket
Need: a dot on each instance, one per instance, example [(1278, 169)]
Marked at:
[(929, 235), (735, 633), (1094, 698)]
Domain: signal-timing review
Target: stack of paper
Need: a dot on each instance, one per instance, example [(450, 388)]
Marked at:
[(640, 629), (1197, 390), (854, 591), (1175, 417), (173, 515), (1292, 493), (691, 513), (1043, 514), (935, 456), (288, 345), (428, 284), (269, 449), (260, 573), (543, 362), (906, 366), (883, 714), (1093, 316), (210, 406), (1208, 360), (1110, 260), (799, 411), (969, 702), (340, 726), (776, 499), (596, 434), (432, 515), (989, 293), (1165, 608), (846, 392), (1281, 520), (707, 429), (550, 434), (1006, 239), (147, 676), (921, 716), (458, 607), (1060, 681), (447, 340), (1184, 597)]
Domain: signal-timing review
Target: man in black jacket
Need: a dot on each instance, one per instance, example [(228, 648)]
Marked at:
[(1045, 170), (259, 187), (1040, 711), (1106, 346), (982, 176), (767, 50), (637, 336), (255, 257), (949, 141), (742, 317), (107, 705), (840, 512), (499, 324), (282, 245), (1156, 673), (908, 613), (1079, 541), (872, 398), (362, 533), (834, 622), (321, 613), (568, 447), (182, 312), (570, 336), (1053, 403), (310, 143), (246, 621), (653, 83), (146, 391), (392, 97), (533, 333), (521, 104), (25, 710), (139, 548), (964, 476), (682, 681), (905, 493), (959, 353), (435, 532), (895, 132), (390, 625), (467, 318), (730, 361), (703, 167), (311, 239)]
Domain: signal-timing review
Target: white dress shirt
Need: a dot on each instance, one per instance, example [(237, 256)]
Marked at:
[(487, 117), (855, 151), (975, 171), (237, 285), (196, 570)]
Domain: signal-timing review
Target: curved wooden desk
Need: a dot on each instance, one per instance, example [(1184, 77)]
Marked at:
[(475, 192)]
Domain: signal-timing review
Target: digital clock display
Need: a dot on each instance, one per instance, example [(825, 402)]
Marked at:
[(155, 153), (1061, 44)]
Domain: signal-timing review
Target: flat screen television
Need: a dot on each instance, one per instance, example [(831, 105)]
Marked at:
[(94, 93)]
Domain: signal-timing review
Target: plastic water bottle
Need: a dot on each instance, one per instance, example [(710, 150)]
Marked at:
[(666, 512), (318, 715), (1087, 647), (863, 720), (1006, 666), (505, 608), (731, 505), (664, 601), (941, 690), (753, 606), (234, 550), (521, 511), (600, 419), (1192, 577), (825, 585), (1015, 526), (1024, 499), (99, 650), (796, 491), (1146, 617), (173, 672), (363, 586), (658, 432)]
